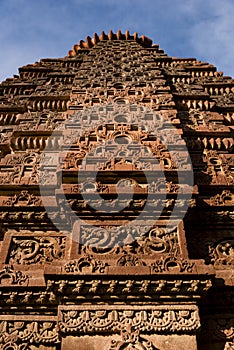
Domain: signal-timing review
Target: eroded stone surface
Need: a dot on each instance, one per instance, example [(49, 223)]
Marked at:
[(171, 285)]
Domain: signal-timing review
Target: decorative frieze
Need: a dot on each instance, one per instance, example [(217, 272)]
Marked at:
[(20, 333), (8, 276), (36, 250), (158, 319)]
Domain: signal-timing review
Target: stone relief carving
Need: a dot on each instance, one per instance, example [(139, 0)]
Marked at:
[(130, 260), (24, 198), (225, 100), (36, 250), (131, 340), (20, 168), (222, 253), (8, 276), (25, 216), (79, 289), (189, 89), (219, 167), (86, 264), (173, 263), (122, 72), (158, 241), (156, 319), (20, 334), (225, 198), (198, 120)]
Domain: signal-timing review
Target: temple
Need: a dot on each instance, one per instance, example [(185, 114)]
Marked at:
[(116, 201)]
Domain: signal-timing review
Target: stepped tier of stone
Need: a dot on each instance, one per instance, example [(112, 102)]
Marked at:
[(164, 282)]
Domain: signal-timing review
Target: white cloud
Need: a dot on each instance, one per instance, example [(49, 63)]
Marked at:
[(30, 30), (212, 36)]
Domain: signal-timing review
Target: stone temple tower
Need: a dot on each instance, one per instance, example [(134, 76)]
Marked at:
[(116, 201)]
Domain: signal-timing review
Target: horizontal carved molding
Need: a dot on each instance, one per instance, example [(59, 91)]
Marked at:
[(101, 319), (17, 332), (74, 289)]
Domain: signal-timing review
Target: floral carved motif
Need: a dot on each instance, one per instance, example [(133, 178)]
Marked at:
[(131, 340), (225, 198), (130, 260), (219, 167), (158, 240), (39, 121), (173, 263), (145, 319), (19, 334), (222, 253), (20, 168), (11, 277), (36, 250), (74, 289), (85, 265)]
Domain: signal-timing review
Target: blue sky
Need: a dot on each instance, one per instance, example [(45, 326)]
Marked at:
[(34, 29)]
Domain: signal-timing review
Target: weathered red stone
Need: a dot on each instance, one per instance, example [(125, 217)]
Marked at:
[(172, 286)]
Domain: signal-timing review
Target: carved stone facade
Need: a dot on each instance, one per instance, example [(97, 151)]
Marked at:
[(116, 279)]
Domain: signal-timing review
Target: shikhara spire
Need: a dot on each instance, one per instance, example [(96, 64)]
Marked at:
[(116, 201)]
